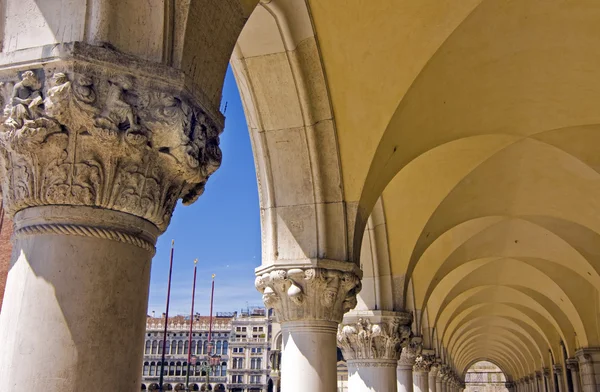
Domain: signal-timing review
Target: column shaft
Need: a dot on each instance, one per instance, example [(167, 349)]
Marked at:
[(432, 380), (371, 375), (420, 381), (75, 305), (309, 357), (404, 374)]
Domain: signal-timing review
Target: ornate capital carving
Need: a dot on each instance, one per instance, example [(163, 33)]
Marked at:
[(364, 340), (86, 133), (558, 369), (309, 293), (546, 372), (572, 364), (410, 351), (423, 363)]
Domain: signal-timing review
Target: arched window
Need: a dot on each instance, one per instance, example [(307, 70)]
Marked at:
[(223, 369), (205, 348), (148, 343), (199, 347), (178, 369), (168, 347), (258, 363), (154, 347), (184, 370), (225, 347), (186, 347), (180, 347), (219, 347), (173, 347), (198, 368), (172, 369), (152, 368), (145, 373), (160, 343), (193, 349)]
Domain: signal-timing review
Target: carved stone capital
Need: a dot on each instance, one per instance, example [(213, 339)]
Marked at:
[(410, 351), (558, 369), (423, 363), (572, 364), (366, 340), (546, 372), (94, 128), (298, 294)]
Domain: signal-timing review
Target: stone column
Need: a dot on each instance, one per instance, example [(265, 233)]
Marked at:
[(510, 386), (439, 380), (433, 377), (589, 364), (309, 303), (95, 150), (404, 373), (573, 367), (371, 347), (539, 382), (421, 371), (445, 374), (548, 379), (558, 371)]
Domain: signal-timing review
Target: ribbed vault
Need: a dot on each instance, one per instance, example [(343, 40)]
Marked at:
[(477, 135)]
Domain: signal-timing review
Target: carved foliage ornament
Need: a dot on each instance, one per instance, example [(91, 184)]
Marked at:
[(309, 294), (85, 136), (410, 351), (423, 363), (364, 340)]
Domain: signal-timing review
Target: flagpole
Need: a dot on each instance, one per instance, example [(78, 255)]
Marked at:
[(210, 320), (164, 345), (187, 374)]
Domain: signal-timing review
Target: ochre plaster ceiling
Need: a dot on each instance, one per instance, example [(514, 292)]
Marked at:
[(477, 124)]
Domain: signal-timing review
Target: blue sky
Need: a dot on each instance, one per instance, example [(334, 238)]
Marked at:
[(222, 230)]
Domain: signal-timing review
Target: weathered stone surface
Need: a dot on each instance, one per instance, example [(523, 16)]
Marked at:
[(75, 132), (309, 293)]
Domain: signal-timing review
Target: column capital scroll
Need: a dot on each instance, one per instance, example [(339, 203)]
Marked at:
[(300, 294)]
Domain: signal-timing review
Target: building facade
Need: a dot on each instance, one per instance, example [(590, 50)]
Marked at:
[(178, 350), (240, 352)]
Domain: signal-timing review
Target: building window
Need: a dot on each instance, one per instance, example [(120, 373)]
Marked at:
[(223, 369), (152, 368), (154, 347), (172, 369), (178, 369), (238, 363), (148, 343), (180, 347), (256, 350), (193, 350), (205, 349), (173, 347), (160, 347), (254, 379), (219, 347), (168, 347), (186, 347), (145, 373), (237, 379)]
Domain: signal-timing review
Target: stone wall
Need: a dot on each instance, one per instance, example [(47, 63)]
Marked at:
[(5, 250)]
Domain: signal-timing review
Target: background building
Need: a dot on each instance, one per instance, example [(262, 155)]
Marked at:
[(177, 347), (241, 340), (484, 376)]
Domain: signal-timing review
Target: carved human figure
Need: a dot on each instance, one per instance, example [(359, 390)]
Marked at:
[(26, 100)]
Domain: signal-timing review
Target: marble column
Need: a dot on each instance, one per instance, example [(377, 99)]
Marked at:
[(96, 148), (558, 371), (370, 342), (435, 367), (573, 367), (439, 380), (309, 303), (404, 371), (421, 371), (548, 379), (589, 365)]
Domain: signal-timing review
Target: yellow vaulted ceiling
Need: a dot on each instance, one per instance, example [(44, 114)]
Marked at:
[(478, 123)]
